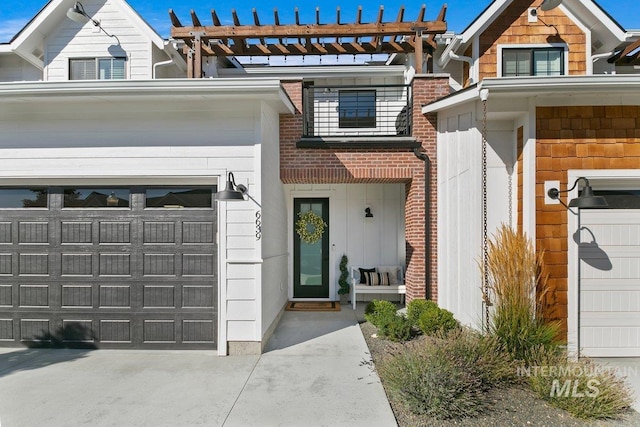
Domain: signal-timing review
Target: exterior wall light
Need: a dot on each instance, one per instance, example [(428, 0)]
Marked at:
[(586, 200), (367, 213), (232, 191), (78, 14)]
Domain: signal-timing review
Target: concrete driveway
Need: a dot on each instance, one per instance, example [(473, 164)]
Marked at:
[(315, 373)]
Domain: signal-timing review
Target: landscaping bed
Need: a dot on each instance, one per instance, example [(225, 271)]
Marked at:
[(515, 405)]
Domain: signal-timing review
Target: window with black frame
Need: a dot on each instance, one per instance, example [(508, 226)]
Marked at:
[(173, 197), (357, 108), (96, 197), (17, 198), (533, 62)]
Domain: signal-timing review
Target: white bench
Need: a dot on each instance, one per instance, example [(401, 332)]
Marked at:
[(361, 288)]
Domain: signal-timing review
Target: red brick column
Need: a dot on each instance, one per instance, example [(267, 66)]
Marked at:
[(426, 88)]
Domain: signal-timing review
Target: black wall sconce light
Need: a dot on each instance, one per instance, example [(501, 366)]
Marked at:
[(232, 191), (78, 14), (586, 200), (367, 213)]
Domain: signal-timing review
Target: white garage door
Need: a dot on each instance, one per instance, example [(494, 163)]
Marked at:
[(609, 252)]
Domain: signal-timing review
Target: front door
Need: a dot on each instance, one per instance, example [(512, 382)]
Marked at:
[(311, 260)]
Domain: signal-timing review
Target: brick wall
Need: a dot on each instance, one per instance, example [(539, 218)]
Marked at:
[(512, 27), (380, 165), (591, 137)]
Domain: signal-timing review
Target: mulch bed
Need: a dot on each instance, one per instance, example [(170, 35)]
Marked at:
[(514, 406)]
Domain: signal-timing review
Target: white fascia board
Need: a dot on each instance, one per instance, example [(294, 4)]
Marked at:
[(485, 19), (445, 57), (328, 71), (606, 20), (453, 100), (538, 86), (269, 90), (142, 25), (566, 84)]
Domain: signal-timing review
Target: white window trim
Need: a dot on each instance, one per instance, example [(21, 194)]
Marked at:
[(612, 179), (565, 55), (96, 59)]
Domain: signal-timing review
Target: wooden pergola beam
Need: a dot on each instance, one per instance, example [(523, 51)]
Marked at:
[(338, 38), (312, 30)]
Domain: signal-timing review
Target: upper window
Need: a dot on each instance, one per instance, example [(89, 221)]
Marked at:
[(97, 69), (357, 108), (546, 61)]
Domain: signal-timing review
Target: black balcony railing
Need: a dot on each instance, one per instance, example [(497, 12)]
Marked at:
[(357, 111)]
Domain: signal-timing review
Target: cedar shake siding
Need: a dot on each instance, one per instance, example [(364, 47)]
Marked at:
[(580, 137)]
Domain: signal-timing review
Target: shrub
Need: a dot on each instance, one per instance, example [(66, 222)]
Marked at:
[(435, 319), (447, 377), (580, 387), (343, 280), (379, 312), (517, 288), (415, 309), (397, 329)]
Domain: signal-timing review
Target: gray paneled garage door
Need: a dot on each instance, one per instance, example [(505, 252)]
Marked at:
[(129, 267)]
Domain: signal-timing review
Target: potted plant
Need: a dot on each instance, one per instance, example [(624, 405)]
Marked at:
[(343, 281)]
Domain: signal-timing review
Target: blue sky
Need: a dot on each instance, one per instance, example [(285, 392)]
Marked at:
[(459, 14)]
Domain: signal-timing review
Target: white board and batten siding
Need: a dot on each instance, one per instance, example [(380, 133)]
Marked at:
[(74, 40), (366, 241), (460, 213), (609, 266)]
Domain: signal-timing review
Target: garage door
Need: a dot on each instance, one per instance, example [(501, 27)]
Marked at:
[(610, 277), (108, 267)]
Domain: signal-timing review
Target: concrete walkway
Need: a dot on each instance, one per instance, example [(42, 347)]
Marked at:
[(314, 373)]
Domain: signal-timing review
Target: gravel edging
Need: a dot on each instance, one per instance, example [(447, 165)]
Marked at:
[(514, 406)]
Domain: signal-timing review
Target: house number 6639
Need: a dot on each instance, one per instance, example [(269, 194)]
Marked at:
[(258, 225)]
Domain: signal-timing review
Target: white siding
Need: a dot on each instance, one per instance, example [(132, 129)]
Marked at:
[(15, 69), (74, 40), (274, 222), (460, 205), (459, 216)]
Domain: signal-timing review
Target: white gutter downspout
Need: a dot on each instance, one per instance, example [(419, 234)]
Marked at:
[(598, 56), (161, 64)]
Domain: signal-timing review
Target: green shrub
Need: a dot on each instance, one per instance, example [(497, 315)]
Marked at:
[(435, 319), (447, 377), (378, 312), (517, 289), (397, 329), (415, 309), (580, 387)]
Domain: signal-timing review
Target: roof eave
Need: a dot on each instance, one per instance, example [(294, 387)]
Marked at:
[(538, 86)]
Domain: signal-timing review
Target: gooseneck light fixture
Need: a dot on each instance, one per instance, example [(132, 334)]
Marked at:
[(586, 200), (78, 14), (232, 191)]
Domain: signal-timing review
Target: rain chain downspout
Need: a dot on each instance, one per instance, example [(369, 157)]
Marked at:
[(427, 220), (484, 95)]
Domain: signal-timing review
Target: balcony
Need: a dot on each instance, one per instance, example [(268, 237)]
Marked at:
[(357, 116)]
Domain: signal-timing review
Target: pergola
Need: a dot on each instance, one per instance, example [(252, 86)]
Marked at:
[(316, 38), (630, 55)]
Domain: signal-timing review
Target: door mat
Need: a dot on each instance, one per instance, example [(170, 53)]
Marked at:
[(313, 306)]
